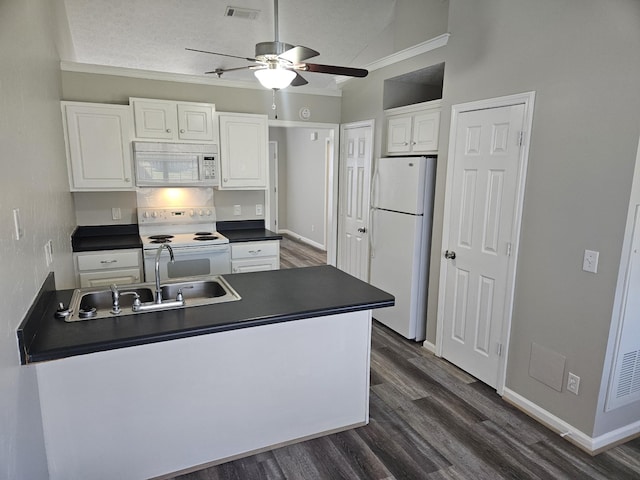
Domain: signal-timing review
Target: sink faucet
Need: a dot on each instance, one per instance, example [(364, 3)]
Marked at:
[(159, 252)]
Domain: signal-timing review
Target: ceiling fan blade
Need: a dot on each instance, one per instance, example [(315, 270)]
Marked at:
[(334, 70), (222, 54), (298, 54), (298, 81)]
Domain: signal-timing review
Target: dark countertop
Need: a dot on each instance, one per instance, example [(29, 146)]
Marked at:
[(105, 237), (246, 231), (267, 297)]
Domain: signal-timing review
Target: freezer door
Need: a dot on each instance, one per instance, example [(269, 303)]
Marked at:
[(399, 183), (399, 265)]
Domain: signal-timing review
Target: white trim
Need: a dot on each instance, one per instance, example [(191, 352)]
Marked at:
[(528, 99), (300, 124), (302, 239), (186, 78), (591, 445), (428, 346), (407, 53)]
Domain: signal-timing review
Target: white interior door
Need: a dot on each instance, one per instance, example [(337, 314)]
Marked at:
[(355, 187), (485, 178)]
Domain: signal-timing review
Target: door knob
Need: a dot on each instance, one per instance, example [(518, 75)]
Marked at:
[(362, 230), (450, 255)]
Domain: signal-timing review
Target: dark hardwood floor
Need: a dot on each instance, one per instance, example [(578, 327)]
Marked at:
[(294, 253), (429, 420)]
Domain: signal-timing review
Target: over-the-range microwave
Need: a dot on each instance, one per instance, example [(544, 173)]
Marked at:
[(160, 164)]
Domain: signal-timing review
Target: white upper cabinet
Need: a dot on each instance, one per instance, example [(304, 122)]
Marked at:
[(98, 141), (244, 151), (413, 129), (173, 121)]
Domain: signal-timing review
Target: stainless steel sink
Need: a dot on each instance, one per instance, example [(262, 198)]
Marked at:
[(93, 303)]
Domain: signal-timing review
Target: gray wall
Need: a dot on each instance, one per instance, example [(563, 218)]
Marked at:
[(303, 190), (582, 58), (34, 180)]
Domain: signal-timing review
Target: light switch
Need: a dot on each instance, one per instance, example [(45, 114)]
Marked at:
[(590, 261), (237, 210), (19, 233)]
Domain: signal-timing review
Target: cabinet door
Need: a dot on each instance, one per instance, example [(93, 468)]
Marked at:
[(155, 119), (243, 151), (426, 127), (195, 122), (101, 279), (98, 146), (398, 134)]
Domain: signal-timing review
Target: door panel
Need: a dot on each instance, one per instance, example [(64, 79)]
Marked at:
[(355, 173), (482, 208)]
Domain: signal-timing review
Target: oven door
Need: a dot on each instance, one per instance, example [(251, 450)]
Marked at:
[(190, 261)]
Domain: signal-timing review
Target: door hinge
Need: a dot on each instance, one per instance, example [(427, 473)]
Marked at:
[(508, 249), (499, 349), (521, 138)]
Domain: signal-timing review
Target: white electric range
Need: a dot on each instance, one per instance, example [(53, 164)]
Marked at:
[(190, 232)]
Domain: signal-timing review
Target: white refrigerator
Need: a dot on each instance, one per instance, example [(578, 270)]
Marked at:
[(400, 234)]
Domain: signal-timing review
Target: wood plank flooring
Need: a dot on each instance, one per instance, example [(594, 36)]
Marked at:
[(294, 254), (430, 420)]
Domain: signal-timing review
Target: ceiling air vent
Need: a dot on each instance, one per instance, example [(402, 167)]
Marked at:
[(239, 12)]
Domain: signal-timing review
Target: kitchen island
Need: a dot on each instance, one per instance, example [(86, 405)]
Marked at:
[(152, 394)]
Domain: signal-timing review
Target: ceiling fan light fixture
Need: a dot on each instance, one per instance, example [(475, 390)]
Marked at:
[(275, 77)]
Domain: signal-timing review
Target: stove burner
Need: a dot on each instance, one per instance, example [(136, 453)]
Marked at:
[(203, 234), (161, 240), (160, 237), (203, 238)]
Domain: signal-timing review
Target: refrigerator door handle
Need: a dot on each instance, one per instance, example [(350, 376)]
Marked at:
[(371, 231)]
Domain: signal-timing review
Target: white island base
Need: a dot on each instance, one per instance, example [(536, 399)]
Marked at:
[(176, 406)]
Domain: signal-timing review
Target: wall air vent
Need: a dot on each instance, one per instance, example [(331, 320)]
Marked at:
[(240, 12)]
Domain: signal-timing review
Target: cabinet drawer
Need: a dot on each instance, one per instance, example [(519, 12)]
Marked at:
[(255, 249), (105, 260), (255, 265)]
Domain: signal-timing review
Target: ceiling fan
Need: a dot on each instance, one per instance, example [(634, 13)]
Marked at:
[(277, 63)]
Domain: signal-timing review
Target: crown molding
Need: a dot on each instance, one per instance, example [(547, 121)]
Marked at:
[(407, 53), (66, 66)]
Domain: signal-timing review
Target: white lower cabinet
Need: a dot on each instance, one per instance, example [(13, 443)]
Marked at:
[(255, 256), (104, 267)]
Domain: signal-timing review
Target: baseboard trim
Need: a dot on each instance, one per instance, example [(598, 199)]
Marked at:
[(302, 239), (591, 445), (431, 347)]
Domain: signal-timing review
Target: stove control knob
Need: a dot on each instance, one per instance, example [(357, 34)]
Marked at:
[(154, 214), (201, 212), (192, 213), (145, 214), (208, 213)]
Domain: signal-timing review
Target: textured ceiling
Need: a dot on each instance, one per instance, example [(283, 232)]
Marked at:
[(152, 34)]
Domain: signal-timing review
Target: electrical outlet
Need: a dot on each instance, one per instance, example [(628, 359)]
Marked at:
[(313, 228), (258, 209), (116, 213), (237, 209), (573, 383), (590, 261)]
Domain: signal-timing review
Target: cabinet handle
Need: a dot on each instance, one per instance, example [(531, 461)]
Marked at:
[(226, 179), (168, 130), (406, 143), (255, 252), (413, 143), (127, 180), (182, 130), (108, 261)]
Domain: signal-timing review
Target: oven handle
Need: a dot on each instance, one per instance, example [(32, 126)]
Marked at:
[(188, 250)]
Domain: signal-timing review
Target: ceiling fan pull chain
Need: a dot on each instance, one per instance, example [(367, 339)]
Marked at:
[(273, 104)]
